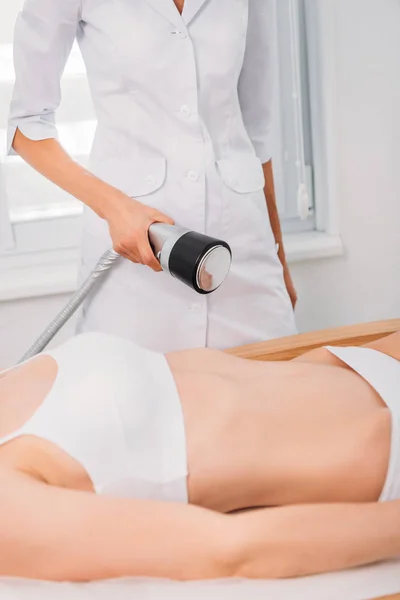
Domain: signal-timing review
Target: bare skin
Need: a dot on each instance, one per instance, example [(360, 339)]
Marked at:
[(179, 5), (270, 197), (309, 432)]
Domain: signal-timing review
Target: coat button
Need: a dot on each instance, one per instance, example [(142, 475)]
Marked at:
[(178, 33), (195, 307), (193, 175), (185, 110)]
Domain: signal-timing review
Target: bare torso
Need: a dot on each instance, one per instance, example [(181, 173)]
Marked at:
[(258, 434), (267, 434)]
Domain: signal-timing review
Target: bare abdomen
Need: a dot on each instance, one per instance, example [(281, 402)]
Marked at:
[(285, 433)]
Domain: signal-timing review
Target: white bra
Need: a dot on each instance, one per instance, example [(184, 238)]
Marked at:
[(115, 409)]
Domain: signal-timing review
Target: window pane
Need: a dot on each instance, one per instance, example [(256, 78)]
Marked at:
[(26, 188), (292, 155)]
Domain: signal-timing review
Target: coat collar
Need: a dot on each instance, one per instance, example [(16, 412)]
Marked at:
[(191, 8), (168, 10)]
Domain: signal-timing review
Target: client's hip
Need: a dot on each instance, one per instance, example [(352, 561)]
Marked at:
[(382, 372)]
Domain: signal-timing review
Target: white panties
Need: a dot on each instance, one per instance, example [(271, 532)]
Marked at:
[(382, 372)]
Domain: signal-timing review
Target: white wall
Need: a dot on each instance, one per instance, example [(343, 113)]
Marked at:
[(365, 283), (21, 322)]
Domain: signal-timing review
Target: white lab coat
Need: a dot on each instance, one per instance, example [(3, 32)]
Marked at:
[(184, 124)]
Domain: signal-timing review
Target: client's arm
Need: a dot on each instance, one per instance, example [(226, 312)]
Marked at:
[(58, 534)]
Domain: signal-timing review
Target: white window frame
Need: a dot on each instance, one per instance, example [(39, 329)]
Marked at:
[(46, 254)]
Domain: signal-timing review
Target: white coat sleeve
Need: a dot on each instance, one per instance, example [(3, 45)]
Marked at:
[(44, 33), (256, 83)]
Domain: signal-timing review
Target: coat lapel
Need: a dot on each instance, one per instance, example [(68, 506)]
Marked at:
[(190, 9), (168, 10)]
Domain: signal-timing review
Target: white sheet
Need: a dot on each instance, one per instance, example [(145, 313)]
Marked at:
[(358, 584)]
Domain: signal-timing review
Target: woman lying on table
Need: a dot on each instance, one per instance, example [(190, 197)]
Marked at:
[(117, 461)]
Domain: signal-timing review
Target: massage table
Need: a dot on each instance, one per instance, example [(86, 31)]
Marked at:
[(376, 582)]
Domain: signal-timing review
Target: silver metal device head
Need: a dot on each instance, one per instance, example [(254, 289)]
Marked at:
[(213, 268)]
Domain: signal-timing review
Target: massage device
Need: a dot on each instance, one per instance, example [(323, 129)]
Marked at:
[(197, 260)]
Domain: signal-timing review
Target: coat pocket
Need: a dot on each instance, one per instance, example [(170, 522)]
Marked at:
[(242, 173), (136, 178), (245, 223)]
